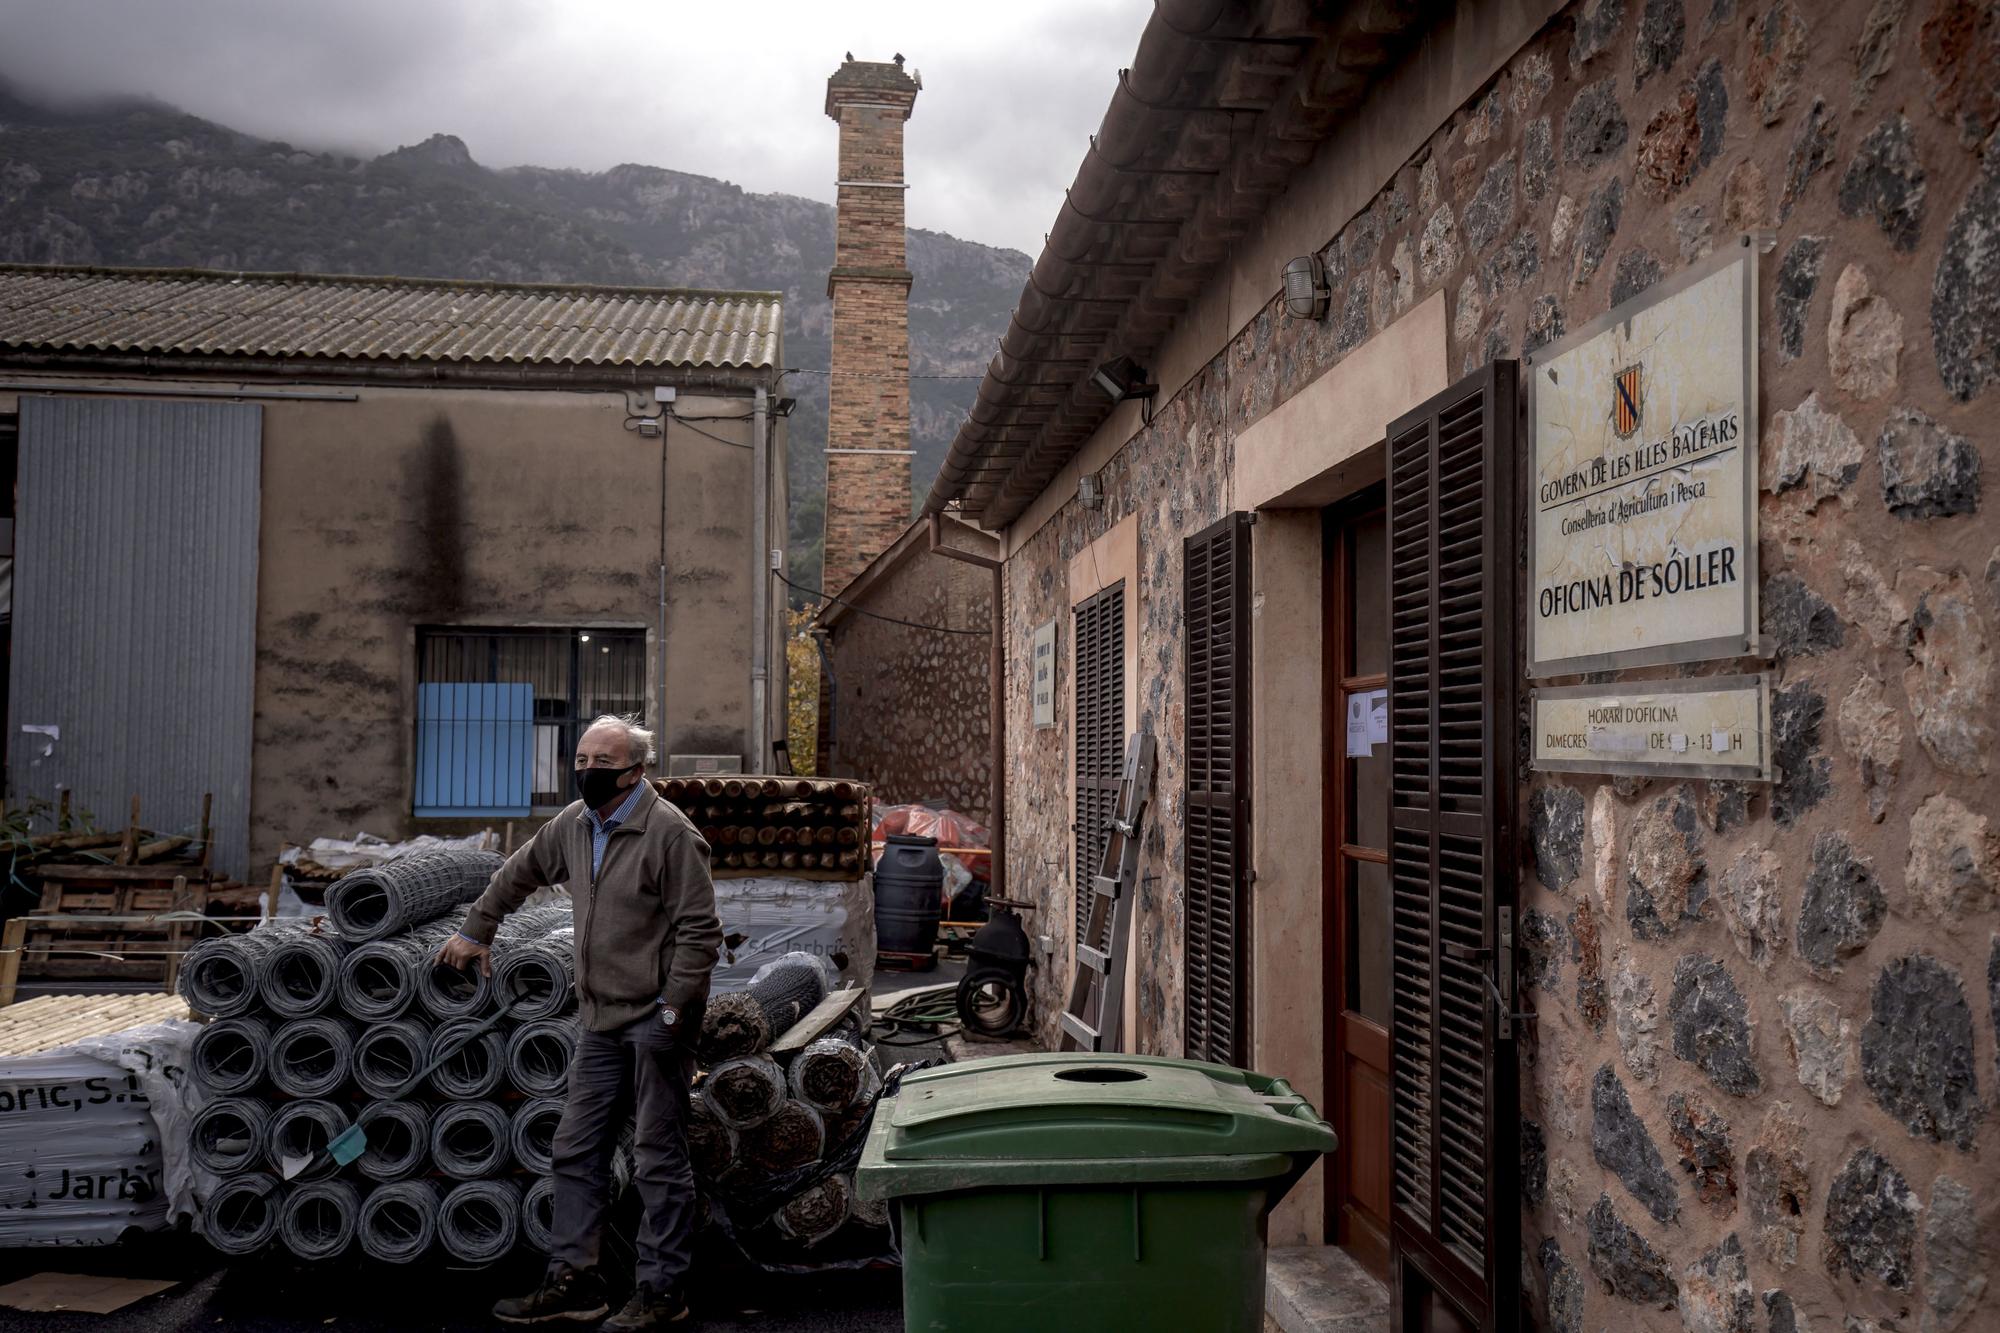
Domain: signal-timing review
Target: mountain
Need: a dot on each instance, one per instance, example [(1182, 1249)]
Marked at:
[(139, 182)]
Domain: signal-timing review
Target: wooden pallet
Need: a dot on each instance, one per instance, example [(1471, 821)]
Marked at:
[(110, 923)]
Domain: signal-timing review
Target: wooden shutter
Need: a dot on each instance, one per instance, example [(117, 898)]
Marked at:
[(1453, 600), (1215, 609), (1100, 731)]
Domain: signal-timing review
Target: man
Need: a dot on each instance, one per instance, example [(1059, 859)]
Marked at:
[(646, 939)]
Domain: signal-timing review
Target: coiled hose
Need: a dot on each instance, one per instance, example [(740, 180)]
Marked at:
[(389, 1054), (533, 1133), (377, 901), (226, 1137), (480, 1219), (399, 1140), (470, 1140), (319, 1220), (229, 1056), (312, 1057), (241, 1214), (399, 1222), (538, 1056)]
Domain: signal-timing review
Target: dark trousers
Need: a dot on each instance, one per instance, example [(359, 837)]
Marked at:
[(638, 1070)]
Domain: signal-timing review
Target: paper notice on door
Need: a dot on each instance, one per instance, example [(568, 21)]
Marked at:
[(1367, 722)]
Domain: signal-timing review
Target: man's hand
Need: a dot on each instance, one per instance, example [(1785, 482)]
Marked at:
[(458, 951)]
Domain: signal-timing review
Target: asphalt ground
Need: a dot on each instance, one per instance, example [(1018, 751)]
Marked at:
[(275, 1293)]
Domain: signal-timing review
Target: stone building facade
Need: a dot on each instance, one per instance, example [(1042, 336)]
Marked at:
[(1759, 1089), (909, 692)]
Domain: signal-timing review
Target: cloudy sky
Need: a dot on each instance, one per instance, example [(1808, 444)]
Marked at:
[(734, 90)]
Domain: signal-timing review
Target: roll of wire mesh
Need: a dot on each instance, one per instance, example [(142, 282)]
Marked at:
[(241, 1214), (398, 1222), (389, 1054), (399, 1140), (318, 1220), (470, 1140), (817, 1211), (302, 1130), (476, 1067), (745, 1022), (312, 1057), (532, 1133), (538, 1216), (226, 1137), (297, 975), (711, 1144), (829, 1074), (229, 1056), (538, 1056), (447, 992), (792, 1137), (745, 1091), (379, 979), (377, 901), (538, 977), (479, 1220), (219, 977)]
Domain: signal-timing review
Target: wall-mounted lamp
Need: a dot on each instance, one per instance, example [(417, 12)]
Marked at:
[(1306, 294), (1087, 493), (1122, 378)]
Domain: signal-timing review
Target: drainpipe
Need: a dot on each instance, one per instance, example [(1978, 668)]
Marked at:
[(996, 780), (659, 725), (760, 583)]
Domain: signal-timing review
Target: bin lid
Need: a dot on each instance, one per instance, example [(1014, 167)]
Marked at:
[(1080, 1118)]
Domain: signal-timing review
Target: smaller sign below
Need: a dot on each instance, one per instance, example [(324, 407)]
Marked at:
[(1717, 727), (1042, 668), (1367, 722)]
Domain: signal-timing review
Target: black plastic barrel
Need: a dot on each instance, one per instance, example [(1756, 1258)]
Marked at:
[(909, 895)]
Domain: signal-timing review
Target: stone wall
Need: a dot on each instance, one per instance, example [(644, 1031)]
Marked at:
[(910, 705), (1760, 1091)]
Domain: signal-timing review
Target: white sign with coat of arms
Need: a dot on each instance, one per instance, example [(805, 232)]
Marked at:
[(1644, 482)]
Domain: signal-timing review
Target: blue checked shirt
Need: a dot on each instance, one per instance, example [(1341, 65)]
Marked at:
[(600, 829)]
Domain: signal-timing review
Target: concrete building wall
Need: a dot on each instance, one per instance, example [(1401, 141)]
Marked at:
[(445, 507), (911, 706), (1760, 1090)]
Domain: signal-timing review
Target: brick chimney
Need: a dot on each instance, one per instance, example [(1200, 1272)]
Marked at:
[(868, 403)]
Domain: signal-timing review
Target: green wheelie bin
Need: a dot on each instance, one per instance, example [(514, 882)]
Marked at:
[(1081, 1191)]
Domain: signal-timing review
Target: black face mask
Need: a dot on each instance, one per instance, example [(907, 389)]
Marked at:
[(599, 786)]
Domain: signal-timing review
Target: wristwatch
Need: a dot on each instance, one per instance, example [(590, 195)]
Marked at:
[(668, 1016)]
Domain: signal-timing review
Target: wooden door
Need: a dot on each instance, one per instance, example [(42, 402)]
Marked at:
[(1453, 738), (1356, 909)]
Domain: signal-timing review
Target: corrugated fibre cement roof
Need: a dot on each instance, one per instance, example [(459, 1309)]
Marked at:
[(193, 312)]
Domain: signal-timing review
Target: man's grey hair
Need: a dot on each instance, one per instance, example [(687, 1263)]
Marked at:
[(643, 750)]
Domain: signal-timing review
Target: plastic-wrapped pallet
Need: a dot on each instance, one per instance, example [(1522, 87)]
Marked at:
[(97, 1139), (772, 916)]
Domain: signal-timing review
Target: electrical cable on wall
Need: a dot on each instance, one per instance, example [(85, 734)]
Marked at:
[(875, 615)]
